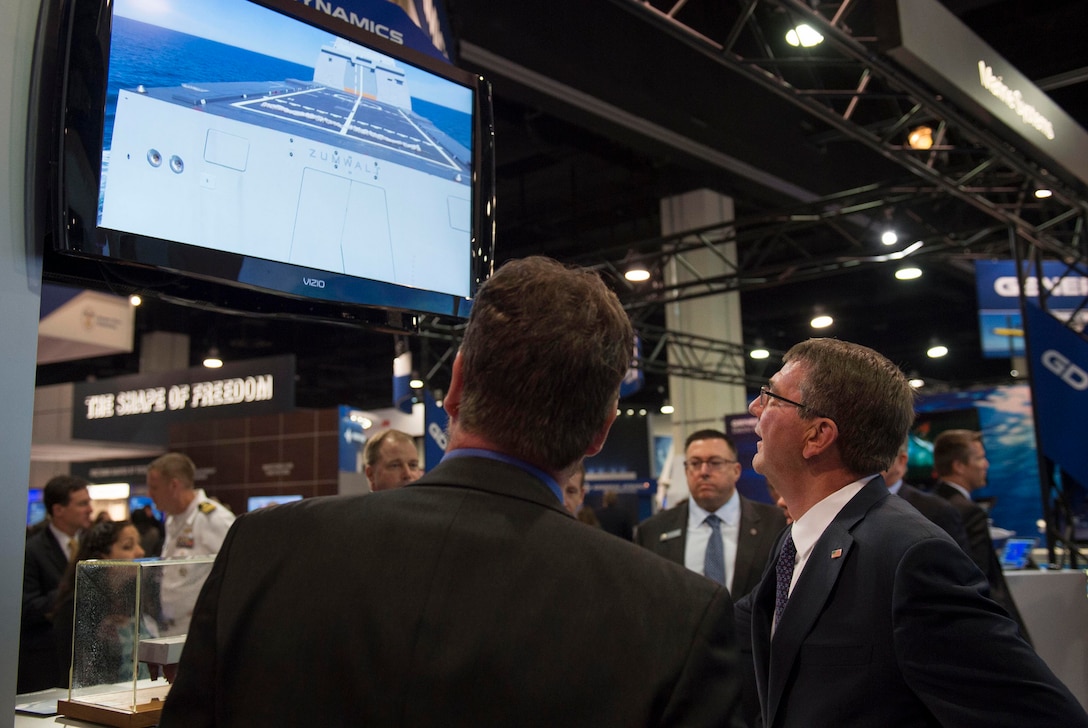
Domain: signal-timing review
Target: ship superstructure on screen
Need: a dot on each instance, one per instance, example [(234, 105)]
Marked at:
[(259, 157), (271, 139)]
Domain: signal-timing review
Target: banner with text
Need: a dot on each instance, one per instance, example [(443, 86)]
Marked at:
[(417, 24), (1000, 326), (139, 408)]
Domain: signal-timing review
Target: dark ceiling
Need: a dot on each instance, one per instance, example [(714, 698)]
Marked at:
[(605, 107)]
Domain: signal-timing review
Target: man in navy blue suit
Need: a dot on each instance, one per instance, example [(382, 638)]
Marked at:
[(68, 508), (878, 618)]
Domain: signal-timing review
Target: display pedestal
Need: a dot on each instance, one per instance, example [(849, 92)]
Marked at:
[(1054, 606), (116, 710)]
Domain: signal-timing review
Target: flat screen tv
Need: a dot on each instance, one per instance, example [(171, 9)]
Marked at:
[(264, 145), (255, 502)]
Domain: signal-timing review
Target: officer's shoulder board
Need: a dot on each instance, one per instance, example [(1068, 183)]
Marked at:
[(207, 507)]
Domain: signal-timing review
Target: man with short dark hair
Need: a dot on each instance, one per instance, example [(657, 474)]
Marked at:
[(959, 459), (931, 506), (735, 549), (68, 513), (878, 618), (470, 597), (391, 460)]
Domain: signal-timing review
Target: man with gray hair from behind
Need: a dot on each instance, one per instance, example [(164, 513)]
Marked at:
[(470, 597)]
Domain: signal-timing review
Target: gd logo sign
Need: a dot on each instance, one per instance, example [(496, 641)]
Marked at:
[(1065, 370)]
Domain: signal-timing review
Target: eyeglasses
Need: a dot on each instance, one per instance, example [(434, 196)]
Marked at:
[(764, 393), (713, 463)]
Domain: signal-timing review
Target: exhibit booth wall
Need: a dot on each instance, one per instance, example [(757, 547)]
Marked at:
[(20, 291)]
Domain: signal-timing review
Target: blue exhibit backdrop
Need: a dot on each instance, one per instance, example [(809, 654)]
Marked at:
[(1003, 415)]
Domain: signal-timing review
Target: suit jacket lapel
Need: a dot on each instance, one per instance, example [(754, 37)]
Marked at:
[(810, 593), (673, 548), (749, 522)]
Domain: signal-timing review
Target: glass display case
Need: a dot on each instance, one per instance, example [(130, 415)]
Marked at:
[(129, 624)]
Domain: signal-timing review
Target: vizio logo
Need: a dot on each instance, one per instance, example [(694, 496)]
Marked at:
[(313, 282), (1066, 370)]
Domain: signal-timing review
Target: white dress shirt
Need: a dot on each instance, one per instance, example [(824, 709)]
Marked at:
[(698, 535)]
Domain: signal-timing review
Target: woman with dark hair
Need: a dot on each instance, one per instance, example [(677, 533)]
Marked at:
[(112, 540)]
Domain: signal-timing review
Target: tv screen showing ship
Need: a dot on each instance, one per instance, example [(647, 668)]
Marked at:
[(259, 135)]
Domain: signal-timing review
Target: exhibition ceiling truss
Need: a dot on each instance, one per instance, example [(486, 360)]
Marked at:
[(970, 195), (964, 198)]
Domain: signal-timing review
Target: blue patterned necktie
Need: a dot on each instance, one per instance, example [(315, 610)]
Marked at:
[(714, 563), (784, 573)]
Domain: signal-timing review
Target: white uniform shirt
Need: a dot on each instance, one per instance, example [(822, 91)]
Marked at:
[(198, 531)]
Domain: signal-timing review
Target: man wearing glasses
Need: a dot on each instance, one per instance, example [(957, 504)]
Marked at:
[(870, 614), (717, 532)]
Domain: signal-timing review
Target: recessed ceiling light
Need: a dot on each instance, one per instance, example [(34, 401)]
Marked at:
[(908, 273), (759, 353), (937, 351), (888, 237), (821, 322)]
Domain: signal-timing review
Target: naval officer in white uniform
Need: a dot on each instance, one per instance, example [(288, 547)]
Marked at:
[(195, 526)]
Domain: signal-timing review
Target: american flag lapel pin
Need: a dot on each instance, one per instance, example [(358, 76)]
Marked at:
[(837, 553)]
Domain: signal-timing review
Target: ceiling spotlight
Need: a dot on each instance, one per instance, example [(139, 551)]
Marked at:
[(920, 138), (916, 382), (135, 299), (667, 409), (821, 321), (213, 360), (1042, 193), (888, 237), (804, 35), (415, 382), (759, 353), (637, 274), (908, 273), (937, 351)]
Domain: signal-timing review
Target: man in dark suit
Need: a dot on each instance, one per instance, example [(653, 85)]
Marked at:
[(744, 530), (471, 597), (68, 512), (878, 617), (932, 507), (961, 465)]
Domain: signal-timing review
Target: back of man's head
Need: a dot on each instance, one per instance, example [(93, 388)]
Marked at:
[(951, 447), (866, 395), (543, 356), (59, 490), (175, 465)]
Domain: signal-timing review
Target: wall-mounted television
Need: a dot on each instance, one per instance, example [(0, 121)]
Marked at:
[(264, 145)]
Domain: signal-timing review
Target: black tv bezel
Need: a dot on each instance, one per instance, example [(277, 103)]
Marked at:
[(67, 106)]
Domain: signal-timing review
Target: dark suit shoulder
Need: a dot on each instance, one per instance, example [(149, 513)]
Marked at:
[(763, 511)]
